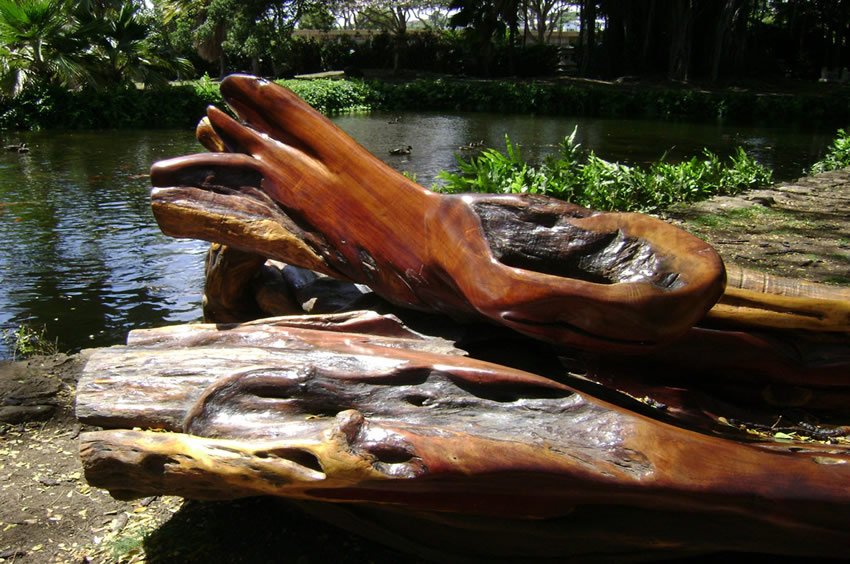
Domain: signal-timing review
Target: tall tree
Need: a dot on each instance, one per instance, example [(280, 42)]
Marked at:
[(544, 16), (486, 20), (240, 28), (682, 21), (818, 32), (587, 35), (210, 23), (392, 17), (733, 16), (119, 40)]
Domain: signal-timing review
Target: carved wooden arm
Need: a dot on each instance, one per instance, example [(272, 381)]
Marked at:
[(296, 188)]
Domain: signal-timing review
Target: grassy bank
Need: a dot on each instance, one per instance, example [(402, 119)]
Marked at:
[(181, 105)]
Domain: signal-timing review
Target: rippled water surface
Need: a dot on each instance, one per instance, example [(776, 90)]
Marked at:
[(82, 256)]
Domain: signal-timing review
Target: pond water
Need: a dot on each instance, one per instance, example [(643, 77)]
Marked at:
[(83, 257)]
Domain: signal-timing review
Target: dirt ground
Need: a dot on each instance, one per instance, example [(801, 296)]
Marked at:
[(798, 229), (49, 514)]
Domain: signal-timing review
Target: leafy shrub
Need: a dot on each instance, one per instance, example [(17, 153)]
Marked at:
[(180, 105), (837, 156), (331, 96), (588, 180), (173, 106)]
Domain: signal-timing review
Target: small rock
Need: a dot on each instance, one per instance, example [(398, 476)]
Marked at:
[(766, 201), (47, 481)]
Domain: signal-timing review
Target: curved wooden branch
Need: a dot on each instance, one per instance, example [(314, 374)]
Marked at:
[(545, 268), (758, 300)]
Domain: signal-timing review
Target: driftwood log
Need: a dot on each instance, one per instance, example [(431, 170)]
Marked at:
[(356, 408), (533, 379)]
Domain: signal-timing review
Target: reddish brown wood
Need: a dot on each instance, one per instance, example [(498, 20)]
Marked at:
[(545, 268), (638, 420), (289, 408)]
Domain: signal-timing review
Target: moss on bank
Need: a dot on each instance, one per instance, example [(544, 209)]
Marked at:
[(180, 105)]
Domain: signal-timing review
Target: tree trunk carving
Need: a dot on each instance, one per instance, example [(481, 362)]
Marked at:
[(564, 383)]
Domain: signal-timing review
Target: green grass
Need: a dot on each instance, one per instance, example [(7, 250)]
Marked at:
[(845, 257), (838, 280), (125, 546)]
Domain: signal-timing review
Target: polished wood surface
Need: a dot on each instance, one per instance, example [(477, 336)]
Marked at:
[(357, 408), (294, 187), (564, 383)]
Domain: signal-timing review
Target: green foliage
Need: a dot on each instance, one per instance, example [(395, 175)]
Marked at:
[(565, 98), (590, 181), (43, 107), (186, 101), (26, 341), (122, 52), (331, 96), (174, 106), (39, 44), (74, 44), (838, 155)]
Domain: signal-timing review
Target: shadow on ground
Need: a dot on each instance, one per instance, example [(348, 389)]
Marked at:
[(266, 530), (257, 530)]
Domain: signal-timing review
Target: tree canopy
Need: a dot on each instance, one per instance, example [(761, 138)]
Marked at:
[(98, 42), (76, 43)]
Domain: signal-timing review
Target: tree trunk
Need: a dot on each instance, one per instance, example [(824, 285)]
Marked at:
[(721, 34), (680, 45), (648, 36), (588, 36)]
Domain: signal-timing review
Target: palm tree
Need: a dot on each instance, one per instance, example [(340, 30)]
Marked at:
[(119, 42), (77, 43), (39, 43)]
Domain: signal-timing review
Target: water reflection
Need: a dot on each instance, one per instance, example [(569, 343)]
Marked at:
[(82, 254), (436, 139)]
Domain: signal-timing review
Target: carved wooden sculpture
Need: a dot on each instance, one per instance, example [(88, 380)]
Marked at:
[(543, 267), (357, 409), (617, 423)]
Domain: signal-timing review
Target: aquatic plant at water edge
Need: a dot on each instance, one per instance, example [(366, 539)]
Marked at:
[(27, 341), (591, 181), (837, 156)]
